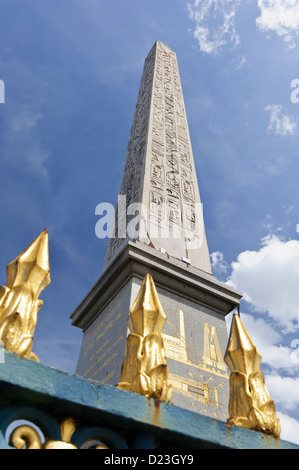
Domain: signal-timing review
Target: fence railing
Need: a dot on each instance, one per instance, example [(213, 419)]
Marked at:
[(42, 407)]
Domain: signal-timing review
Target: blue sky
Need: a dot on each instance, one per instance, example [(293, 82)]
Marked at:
[(72, 70)]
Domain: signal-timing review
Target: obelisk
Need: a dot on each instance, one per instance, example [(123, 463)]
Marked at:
[(159, 229), (159, 185)]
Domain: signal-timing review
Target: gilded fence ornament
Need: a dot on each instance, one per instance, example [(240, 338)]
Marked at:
[(27, 277), (26, 436), (250, 404), (144, 369)]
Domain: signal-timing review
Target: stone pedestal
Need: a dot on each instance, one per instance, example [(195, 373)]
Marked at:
[(195, 335)]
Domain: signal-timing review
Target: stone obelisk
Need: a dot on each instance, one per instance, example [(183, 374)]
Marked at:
[(159, 179), (159, 229)]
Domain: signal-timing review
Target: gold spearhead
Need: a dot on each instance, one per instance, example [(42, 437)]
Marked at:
[(144, 369), (31, 266), (27, 277), (241, 354), (147, 314), (250, 404)]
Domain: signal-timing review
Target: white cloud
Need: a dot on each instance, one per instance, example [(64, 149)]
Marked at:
[(269, 279), (289, 428), (214, 24), (278, 386), (280, 17), (218, 262), (280, 124), (297, 228)]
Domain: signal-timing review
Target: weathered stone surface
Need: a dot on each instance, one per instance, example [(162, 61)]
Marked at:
[(194, 334), (159, 171)]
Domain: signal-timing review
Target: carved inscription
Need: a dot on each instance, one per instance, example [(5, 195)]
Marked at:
[(160, 135), (101, 349), (135, 156), (171, 152)]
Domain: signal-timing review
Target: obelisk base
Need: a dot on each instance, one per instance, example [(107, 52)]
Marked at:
[(194, 334)]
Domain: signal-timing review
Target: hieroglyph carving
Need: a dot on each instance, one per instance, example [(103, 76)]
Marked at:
[(159, 171), (131, 184)]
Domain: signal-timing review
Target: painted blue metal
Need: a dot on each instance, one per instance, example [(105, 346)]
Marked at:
[(44, 421), (121, 419)]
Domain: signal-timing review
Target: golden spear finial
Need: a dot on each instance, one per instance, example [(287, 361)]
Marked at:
[(250, 404), (27, 277), (144, 369)]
